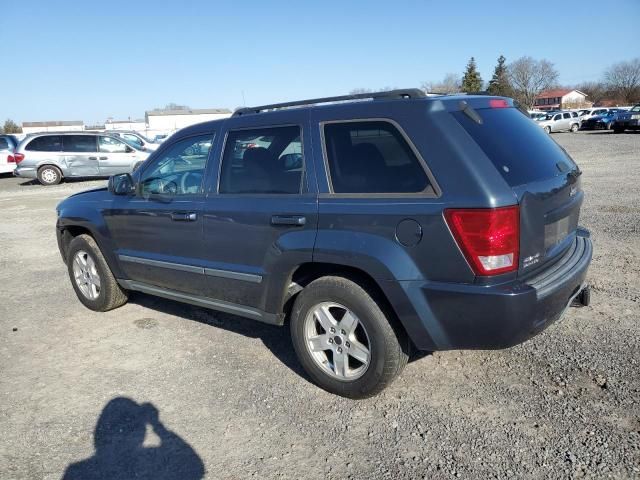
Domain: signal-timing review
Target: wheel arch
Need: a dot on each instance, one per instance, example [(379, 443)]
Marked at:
[(306, 273)]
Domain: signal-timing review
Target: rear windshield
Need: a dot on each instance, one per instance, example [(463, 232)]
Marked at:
[(518, 147)]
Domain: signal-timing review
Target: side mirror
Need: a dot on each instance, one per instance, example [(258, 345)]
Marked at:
[(121, 184)]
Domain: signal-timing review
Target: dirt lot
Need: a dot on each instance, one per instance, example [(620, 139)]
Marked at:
[(233, 402)]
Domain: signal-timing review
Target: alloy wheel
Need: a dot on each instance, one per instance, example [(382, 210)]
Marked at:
[(337, 341), (86, 275)]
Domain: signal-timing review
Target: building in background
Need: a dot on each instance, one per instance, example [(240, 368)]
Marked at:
[(136, 125), (168, 121), (561, 99), (53, 126)]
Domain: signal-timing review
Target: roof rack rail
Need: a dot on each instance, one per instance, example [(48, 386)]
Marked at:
[(404, 93)]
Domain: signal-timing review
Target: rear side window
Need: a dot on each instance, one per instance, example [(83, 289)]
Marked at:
[(4, 144), (520, 150), (50, 143), (371, 157), (79, 143), (263, 161), (566, 115)]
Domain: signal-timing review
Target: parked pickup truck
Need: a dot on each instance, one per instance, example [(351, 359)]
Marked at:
[(371, 224)]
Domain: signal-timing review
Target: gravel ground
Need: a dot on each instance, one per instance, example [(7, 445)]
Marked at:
[(228, 398)]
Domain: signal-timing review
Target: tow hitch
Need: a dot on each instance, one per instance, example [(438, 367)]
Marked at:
[(583, 298)]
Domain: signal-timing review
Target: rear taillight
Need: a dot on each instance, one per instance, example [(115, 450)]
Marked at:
[(18, 157), (488, 237), (11, 159)]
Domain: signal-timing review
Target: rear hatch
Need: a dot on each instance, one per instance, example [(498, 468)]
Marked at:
[(544, 178)]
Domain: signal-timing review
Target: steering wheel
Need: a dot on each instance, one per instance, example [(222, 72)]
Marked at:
[(167, 187), (196, 180)]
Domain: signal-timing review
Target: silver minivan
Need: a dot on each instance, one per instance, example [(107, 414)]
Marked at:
[(50, 157)]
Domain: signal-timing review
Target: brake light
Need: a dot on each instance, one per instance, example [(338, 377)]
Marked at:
[(11, 159), (488, 237), (18, 157), (498, 103)]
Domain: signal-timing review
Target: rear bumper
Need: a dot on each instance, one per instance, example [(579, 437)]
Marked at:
[(454, 316), (26, 172)]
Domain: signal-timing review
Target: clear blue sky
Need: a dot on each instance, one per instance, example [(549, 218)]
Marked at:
[(88, 60)]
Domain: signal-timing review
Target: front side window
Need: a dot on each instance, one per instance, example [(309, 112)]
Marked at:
[(113, 145), (557, 117), (179, 170), (79, 143), (262, 161), (371, 157), (48, 143)]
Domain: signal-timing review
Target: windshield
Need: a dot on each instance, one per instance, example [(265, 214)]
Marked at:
[(636, 108), (144, 138), (520, 150)]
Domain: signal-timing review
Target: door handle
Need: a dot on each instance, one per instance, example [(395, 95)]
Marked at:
[(104, 158), (297, 220), (184, 217), (93, 158)]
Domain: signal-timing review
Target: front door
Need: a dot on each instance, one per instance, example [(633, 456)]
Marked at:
[(260, 218), (81, 155), (158, 231), (115, 156)]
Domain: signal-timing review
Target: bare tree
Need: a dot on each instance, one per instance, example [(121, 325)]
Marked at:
[(529, 77), (624, 80), (449, 84), (596, 91)]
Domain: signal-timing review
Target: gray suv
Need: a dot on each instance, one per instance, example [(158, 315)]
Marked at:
[(370, 228), (50, 157)]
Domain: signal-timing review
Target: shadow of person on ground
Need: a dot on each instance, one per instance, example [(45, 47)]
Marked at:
[(120, 454)]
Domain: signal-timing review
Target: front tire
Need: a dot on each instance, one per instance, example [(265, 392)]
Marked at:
[(344, 340), (574, 128), (548, 130), (49, 175), (91, 277)]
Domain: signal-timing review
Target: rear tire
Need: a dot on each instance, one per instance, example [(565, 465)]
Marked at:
[(91, 277), (617, 129), (49, 175), (344, 340)]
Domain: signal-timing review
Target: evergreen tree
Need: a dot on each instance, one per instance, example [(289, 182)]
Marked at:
[(471, 81), (499, 83)]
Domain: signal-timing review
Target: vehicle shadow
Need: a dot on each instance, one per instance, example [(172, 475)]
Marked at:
[(34, 182), (118, 439), (275, 338)]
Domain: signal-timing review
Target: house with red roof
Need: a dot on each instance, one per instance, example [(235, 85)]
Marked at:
[(561, 99)]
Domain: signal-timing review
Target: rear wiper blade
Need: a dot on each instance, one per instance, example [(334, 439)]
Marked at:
[(470, 112)]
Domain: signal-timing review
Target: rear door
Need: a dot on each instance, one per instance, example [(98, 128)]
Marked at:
[(81, 155), (260, 217), (115, 156), (542, 175)]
